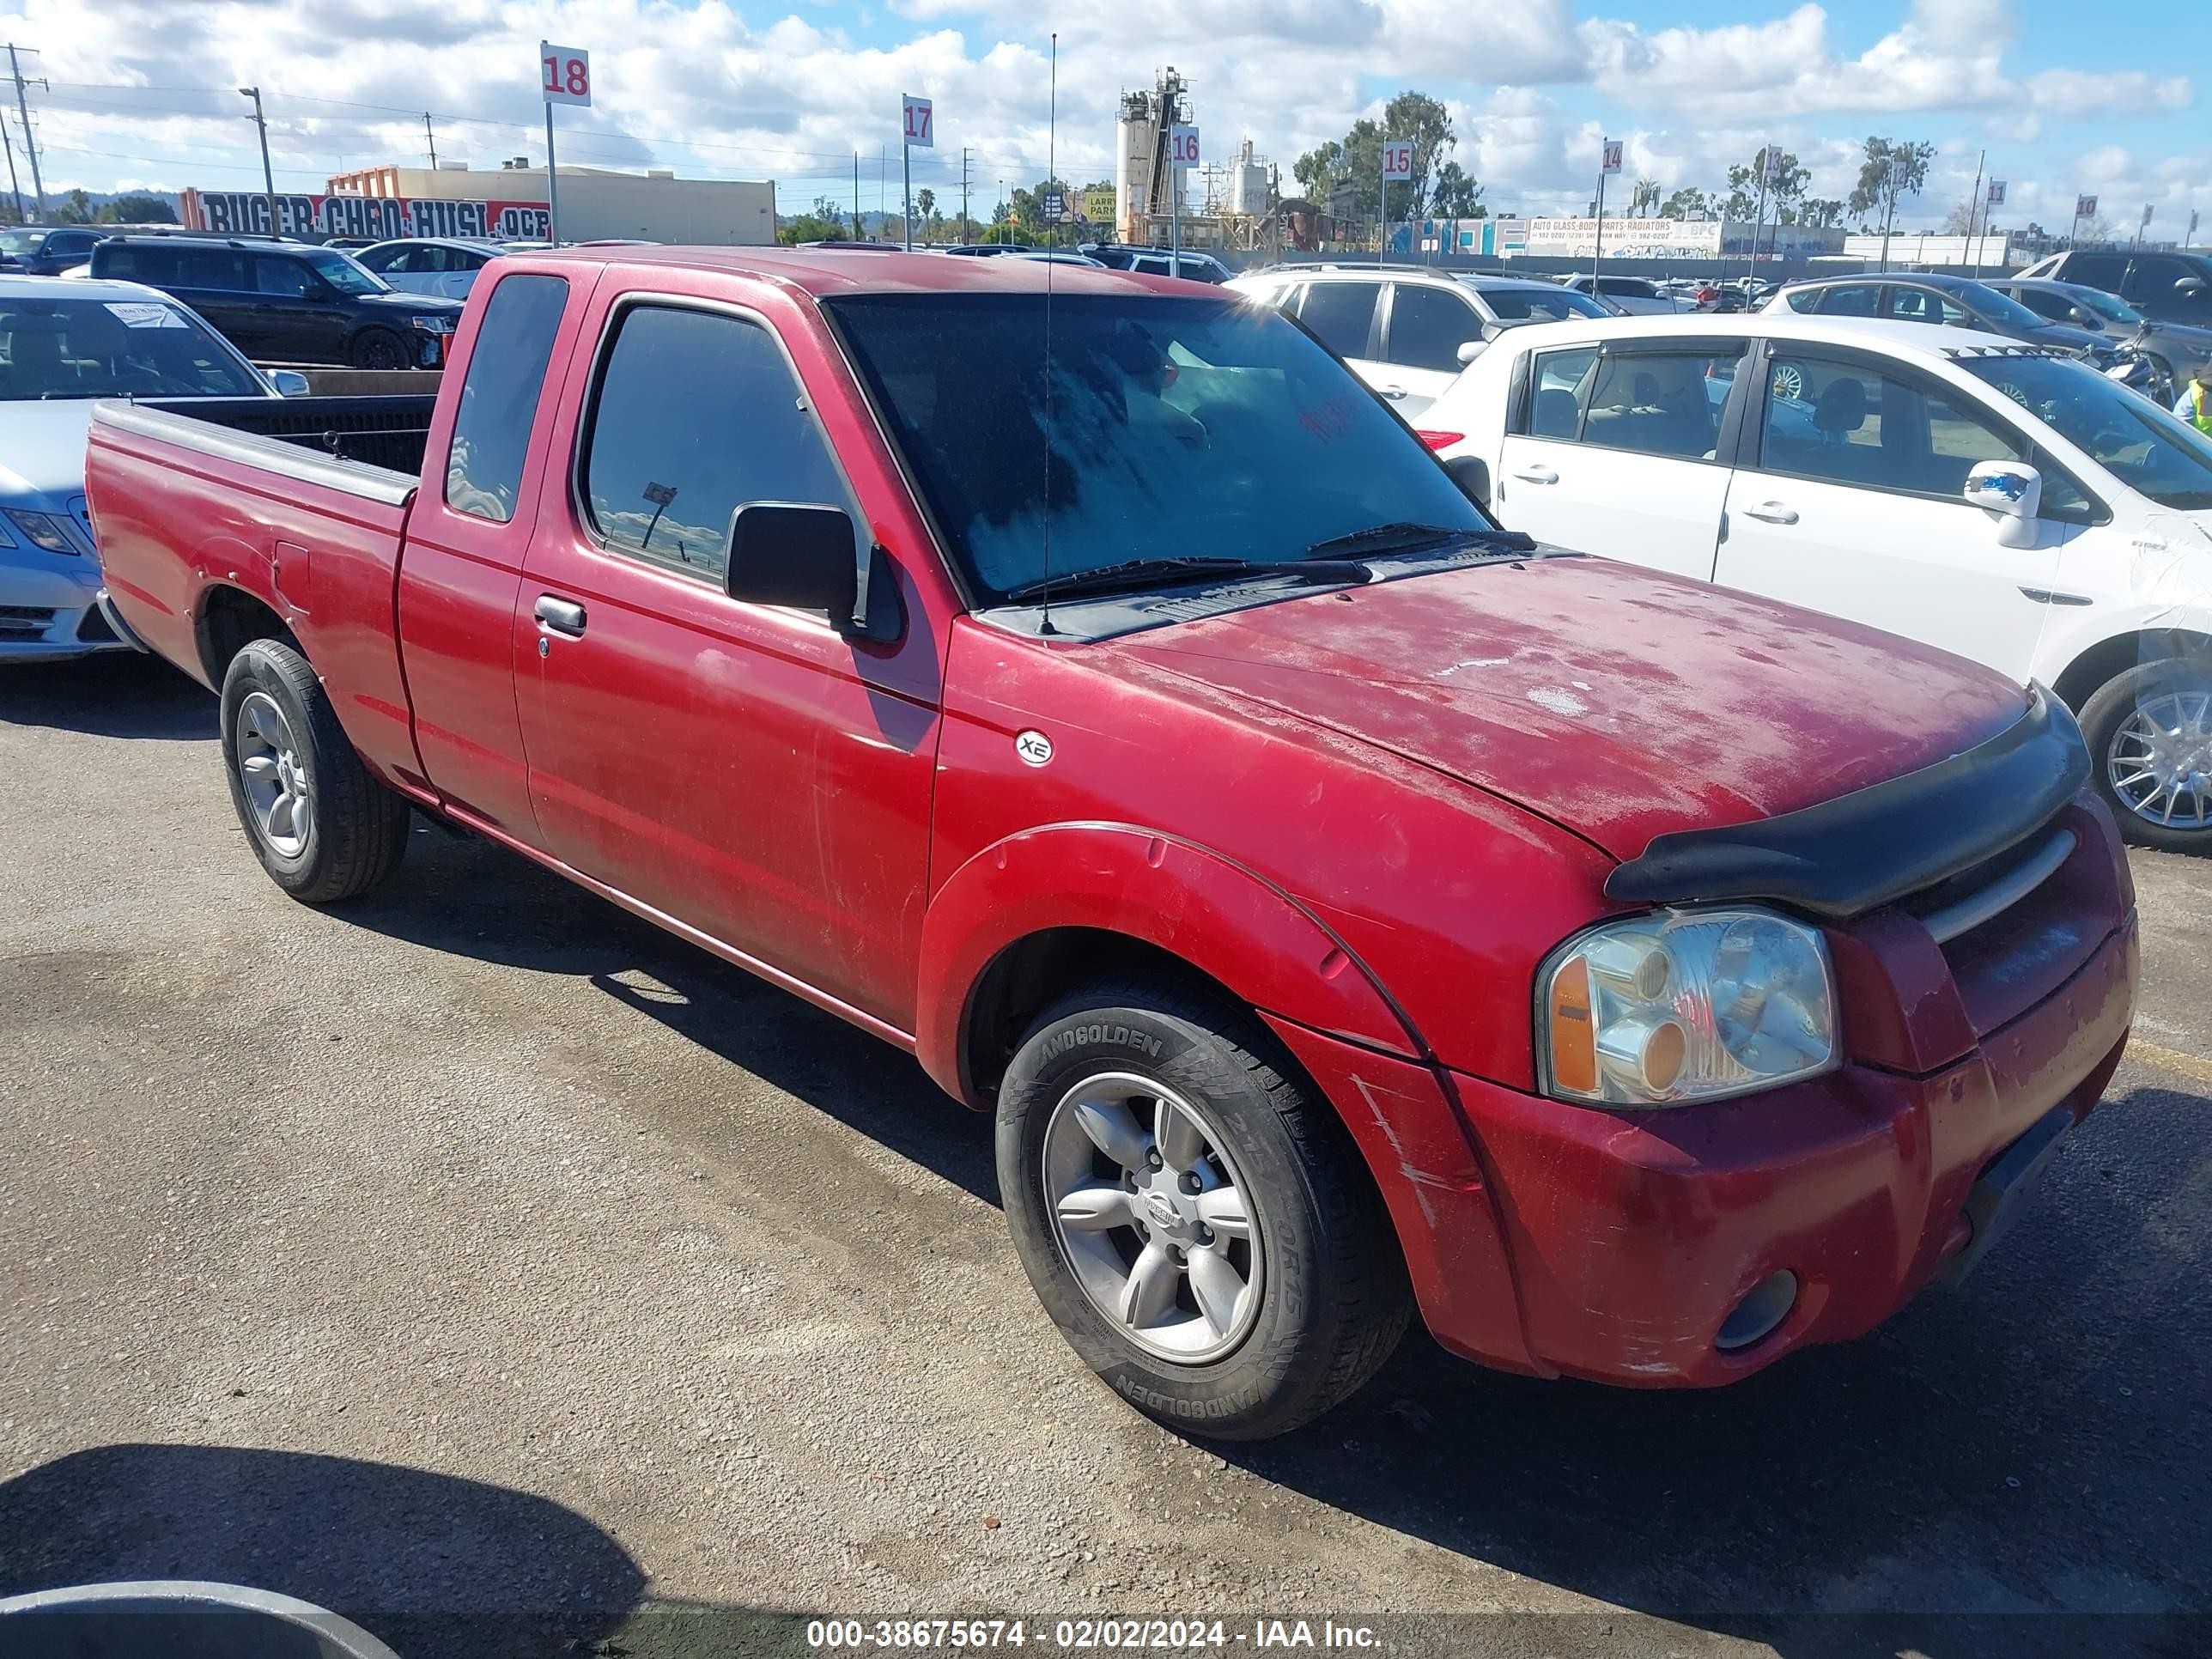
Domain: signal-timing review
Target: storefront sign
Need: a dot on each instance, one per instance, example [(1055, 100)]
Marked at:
[(239, 213)]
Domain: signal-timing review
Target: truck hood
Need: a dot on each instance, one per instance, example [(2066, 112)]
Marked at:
[(1620, 702)]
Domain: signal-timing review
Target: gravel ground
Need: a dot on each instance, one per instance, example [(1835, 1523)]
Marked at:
[(487, 1266)]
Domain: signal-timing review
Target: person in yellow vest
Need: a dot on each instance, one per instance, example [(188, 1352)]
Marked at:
[(2195, 407)]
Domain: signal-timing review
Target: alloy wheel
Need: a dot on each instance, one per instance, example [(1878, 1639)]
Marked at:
[(274, 773), (1152, 1216), (2159, 760)]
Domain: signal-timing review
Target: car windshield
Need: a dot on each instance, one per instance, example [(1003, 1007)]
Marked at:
[(113, 348), (1204, 428), (1999, 308), (1540, 304), (2147, 448), (346, 275), (20, 242), (2109, 306)]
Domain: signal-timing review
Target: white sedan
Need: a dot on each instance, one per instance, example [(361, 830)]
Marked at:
[(2002, 502), (429, 265), (69, 341)]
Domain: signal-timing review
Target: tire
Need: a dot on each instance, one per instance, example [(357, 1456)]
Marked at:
[(378, 348), (1323, 1296), (345, 832), (2133, 717)]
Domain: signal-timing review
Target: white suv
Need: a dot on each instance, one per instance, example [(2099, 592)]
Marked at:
[(2002, 502), (1406, 330)]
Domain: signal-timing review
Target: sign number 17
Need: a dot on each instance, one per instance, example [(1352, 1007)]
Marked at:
[(920, 127)]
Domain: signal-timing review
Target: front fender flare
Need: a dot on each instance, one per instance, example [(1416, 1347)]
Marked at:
[(1223, 919)]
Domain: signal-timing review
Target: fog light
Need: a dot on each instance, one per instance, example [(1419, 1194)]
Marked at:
[(1756, 1317)]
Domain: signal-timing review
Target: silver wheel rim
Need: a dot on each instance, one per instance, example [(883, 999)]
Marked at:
[(2159, 760), (273, 773), (1153, 1218), (1789, 383)]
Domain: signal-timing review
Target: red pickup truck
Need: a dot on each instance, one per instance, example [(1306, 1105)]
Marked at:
[(1079, 680)]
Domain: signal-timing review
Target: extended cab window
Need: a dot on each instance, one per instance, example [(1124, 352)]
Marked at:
[(1661, 403), (696, 414), (499, 398)]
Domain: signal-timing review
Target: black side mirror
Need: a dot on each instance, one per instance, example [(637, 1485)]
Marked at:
[(794, 553), (1472, 474)]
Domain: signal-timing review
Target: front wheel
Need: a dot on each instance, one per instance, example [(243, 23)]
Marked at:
[(322, 827), (378, 348), (2149, 732), (1202, 1232)]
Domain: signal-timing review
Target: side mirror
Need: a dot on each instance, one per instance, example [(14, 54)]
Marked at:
[(2083, 318), (795, 554), (1472, 474), (2013, 490), (289, 382), (2189, 285), (1491, 330), (1470, 350)]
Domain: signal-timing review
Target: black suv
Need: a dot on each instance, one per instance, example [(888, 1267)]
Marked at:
[(45, 250), (288, 302), (2167, 288)]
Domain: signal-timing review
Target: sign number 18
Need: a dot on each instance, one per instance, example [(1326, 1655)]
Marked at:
[(564, 75)]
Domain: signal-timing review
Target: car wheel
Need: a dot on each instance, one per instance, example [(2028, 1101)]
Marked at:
[(2149, 733), (1788, 382), (322, 827), (1198, 1223), (378, 348)]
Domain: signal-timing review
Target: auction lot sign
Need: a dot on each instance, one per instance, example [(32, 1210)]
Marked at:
[(239, 212)]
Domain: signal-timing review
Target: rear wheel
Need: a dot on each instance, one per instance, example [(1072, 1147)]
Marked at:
[(378, 348), (2149, 732), (1203, 1232), (322, 827)]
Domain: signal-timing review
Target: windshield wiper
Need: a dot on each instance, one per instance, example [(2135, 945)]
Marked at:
[(1404, 535), (1142, 572)]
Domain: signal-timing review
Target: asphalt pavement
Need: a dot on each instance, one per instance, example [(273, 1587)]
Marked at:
[(483, 1264)]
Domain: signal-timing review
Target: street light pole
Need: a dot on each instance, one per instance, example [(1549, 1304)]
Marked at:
[(268, 174)]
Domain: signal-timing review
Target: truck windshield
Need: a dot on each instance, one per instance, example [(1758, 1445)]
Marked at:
[(1166, 427), (2141, 444), (113, 348)]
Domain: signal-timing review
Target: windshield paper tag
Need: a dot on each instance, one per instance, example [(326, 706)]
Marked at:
[(138, 314)]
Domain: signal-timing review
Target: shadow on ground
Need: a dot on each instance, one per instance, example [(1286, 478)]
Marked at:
[(121, 694)]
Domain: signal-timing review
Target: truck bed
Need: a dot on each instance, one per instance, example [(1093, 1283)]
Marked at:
[(385, 433)]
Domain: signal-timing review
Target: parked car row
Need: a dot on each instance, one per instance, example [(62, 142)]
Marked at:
[(1347, 906)]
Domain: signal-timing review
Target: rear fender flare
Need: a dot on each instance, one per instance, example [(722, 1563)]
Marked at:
[(1223, 919)]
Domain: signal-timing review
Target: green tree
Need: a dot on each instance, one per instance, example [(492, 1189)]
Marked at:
[(76, 209), (1785, 189), (1688, 202), (925, 203), (1456, 195), (1644, 197), (137, 207), (1822, 213), (1873, 187), (824, 222), (1356, 163)]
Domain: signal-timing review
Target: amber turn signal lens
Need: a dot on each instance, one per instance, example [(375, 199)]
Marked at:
[(1574, 1036)]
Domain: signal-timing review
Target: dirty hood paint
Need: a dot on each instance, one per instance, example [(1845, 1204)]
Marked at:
[(1621, 703)]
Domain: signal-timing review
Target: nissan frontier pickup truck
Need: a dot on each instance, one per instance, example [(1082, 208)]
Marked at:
[(1079, 680)]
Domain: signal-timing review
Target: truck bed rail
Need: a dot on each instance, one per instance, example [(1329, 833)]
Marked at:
[(310, 441)]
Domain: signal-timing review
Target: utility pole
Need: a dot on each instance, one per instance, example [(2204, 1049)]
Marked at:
[(1973, 206), (268, 176), (963, 192), (14, 188), (432, 137), (30, 144), (856, 196)]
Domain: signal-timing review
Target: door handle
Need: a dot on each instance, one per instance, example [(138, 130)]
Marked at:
[(1537, 475), (1394, 392), (561, 615), (1772, 512)]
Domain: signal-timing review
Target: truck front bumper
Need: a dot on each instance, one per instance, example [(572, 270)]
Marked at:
[(1639, 1248)]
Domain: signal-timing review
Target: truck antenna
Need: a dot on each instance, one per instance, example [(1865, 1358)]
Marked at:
[(1051, 183)]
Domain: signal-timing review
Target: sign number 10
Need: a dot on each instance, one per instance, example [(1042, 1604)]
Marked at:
[(565, 74)]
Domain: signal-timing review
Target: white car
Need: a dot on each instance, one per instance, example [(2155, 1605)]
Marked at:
[(1406, 330), (68, 341), (2000, 500), (428, 265), (1636, 296)]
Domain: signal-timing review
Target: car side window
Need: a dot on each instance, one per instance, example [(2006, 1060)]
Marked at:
[(696, 414), (499, 397), (284, 279), (1661, 403), (1558, 390), (2044, 302), (1856, 300), (216, 269), (1341, 315), (1920, 305), (2152, 279), (2102, 270), (1428, 325), (389, 261)]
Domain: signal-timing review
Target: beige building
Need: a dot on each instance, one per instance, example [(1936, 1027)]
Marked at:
[(596, 204)]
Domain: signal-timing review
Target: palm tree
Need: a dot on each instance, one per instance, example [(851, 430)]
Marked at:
[(1646, 196)]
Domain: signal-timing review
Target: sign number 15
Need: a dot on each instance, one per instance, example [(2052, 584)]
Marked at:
[(564, 75)]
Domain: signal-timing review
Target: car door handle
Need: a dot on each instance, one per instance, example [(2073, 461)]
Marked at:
[(1537, 475), (1772, 512), (561, 615), (1393, 392)]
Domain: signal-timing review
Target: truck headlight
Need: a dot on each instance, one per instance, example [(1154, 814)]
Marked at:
[(42, 530), (1685, 1006), (434, 324)]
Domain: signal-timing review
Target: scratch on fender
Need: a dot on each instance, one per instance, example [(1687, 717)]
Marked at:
[(1411, 1175)]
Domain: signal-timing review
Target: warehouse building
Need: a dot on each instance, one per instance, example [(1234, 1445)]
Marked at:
[(596, 204)]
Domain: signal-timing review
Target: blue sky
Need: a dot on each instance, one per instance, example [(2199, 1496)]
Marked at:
[(143, 92)]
